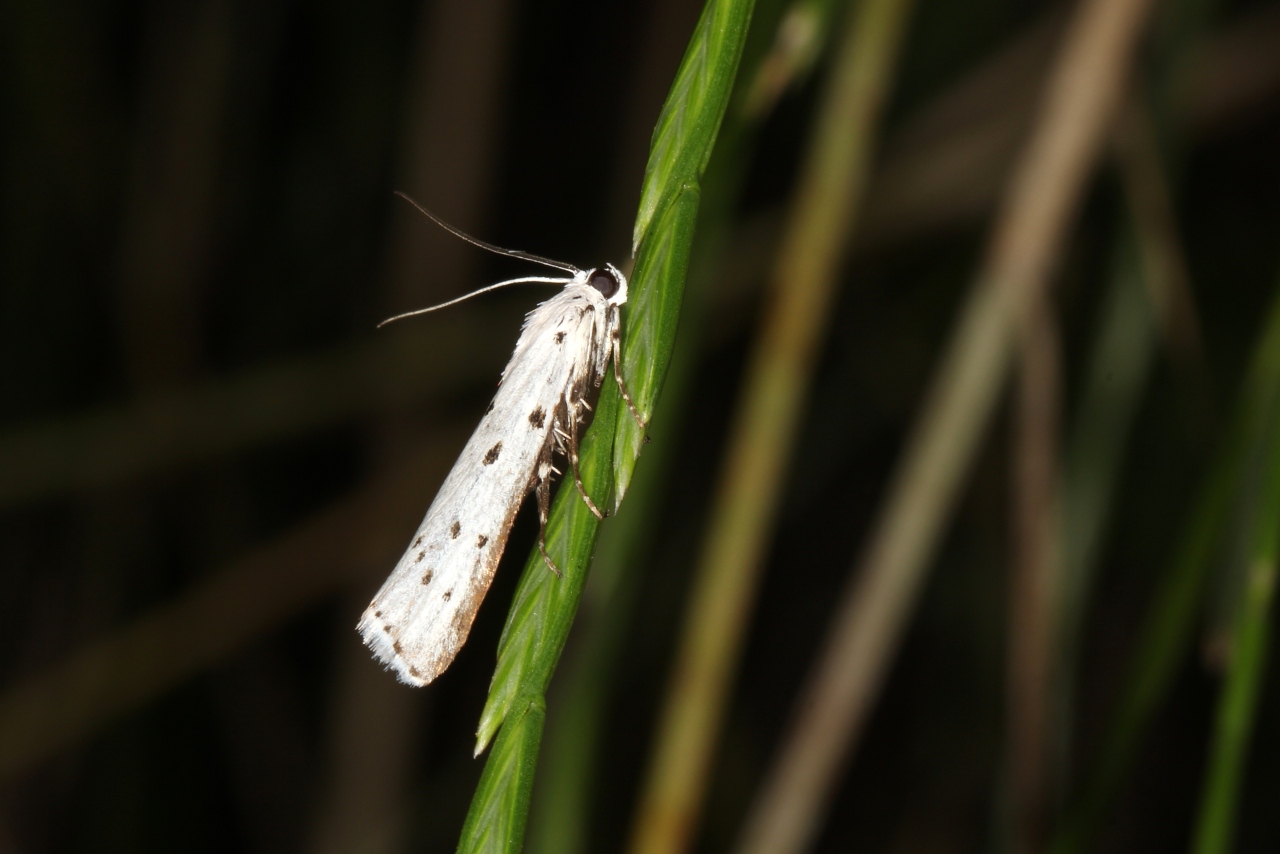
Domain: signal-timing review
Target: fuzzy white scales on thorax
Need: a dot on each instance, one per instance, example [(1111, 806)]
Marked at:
[(421, 616)]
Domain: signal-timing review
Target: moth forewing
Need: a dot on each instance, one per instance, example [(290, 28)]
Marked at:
[(421, 616)]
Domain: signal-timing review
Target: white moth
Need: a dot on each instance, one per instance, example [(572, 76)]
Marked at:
[(421, 616)]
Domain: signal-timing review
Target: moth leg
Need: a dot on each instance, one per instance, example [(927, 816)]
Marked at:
[(577, 475), (616, 352), (558, 434), (551, 564), (544, 506)]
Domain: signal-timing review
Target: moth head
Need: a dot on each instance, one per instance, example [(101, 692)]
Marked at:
[(610, 282)]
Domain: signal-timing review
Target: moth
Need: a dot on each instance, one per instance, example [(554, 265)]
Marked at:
[(422, 615)]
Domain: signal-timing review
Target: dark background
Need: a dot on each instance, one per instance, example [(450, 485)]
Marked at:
[(193, 193)]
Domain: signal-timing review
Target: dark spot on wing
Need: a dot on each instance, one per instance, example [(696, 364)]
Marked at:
[(399, 650), (614, 336), (415, 672), (428, 575), (481, 540), (537, 417), (455, 529), (377, 613), (492, 456), (559, 337), (421, 555), (448, 594), (418, 541)]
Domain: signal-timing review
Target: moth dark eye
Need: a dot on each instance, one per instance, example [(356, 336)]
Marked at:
[(605, 282)]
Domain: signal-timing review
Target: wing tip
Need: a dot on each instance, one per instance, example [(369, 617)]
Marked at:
[(383, 645)]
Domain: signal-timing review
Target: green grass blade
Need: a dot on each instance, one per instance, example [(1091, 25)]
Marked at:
[(564, 797), (495, 822), (1238, 704), (1168, 630), (646, 349), (690, 119), (1240, 695), (545, 605), (534, 635)]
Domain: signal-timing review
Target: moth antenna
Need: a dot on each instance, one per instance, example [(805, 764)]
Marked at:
[(510, 253), (550, 280)]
